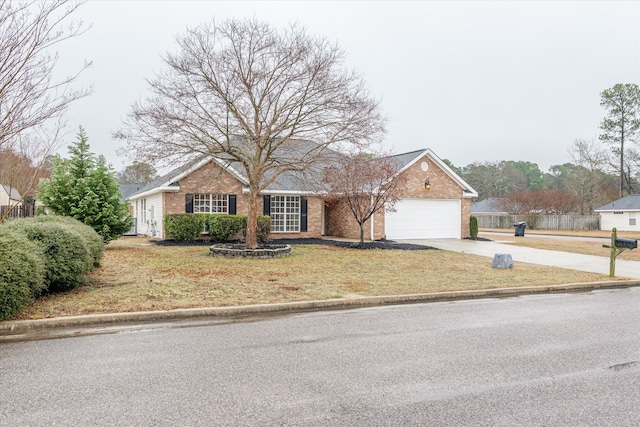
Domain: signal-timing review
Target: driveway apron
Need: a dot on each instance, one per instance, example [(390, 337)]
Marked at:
[(589, 263)]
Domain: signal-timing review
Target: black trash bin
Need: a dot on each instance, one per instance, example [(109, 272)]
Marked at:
[(519, 228)]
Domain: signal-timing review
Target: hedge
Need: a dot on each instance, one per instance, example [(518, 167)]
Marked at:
[(21, 272), (66, 256), (188, 227), (95, 243), (184, 227), (223, 227)]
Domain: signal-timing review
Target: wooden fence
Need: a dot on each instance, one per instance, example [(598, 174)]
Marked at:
[(21, 211), (541, 222)]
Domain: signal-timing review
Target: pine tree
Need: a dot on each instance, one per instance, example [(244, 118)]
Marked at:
[(85, 188), (621, 125)]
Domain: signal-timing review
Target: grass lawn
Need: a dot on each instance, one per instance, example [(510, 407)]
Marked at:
[(137, 275)]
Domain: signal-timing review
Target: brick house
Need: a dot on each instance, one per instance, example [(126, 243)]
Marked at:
[(436, 202)]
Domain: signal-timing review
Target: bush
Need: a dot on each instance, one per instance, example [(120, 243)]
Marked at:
[(473, 227), (188, 227), (66, 256), (184, 227), (91, 238), (224, 227), (21, 272), (264, 228)]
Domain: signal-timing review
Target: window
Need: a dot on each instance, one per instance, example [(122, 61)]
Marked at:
[(632, 218), (211, 203), (143, 211), (285, 213)]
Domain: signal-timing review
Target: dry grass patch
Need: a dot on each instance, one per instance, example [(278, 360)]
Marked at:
[(137, 275), (577, 246)]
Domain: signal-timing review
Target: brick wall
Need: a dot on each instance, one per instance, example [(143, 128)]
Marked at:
[(212, 179), (340, 221)]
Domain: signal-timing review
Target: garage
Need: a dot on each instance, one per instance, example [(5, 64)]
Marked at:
[(424, 219)]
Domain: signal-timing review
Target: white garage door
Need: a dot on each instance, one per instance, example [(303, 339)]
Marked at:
[(424, 219)]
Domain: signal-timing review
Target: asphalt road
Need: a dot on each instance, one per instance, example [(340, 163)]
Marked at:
[(538, 360)]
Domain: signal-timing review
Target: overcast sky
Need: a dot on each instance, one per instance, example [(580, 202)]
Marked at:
[(471, 80)]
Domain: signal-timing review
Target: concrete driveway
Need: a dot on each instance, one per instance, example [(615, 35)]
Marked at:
[(590, 263)]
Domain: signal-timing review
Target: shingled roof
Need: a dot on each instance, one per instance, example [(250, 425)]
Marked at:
[(307, 181), (627, 203)]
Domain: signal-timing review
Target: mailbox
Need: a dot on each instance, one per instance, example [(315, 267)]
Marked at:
[(626, 243)]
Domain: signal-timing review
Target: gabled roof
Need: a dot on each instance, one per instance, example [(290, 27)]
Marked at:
[(489, 205), (12, 192), (294, 182), (627, 203), (289, 182), (406, 160)]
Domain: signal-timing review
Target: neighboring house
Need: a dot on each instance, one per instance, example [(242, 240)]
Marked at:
[(9, 196), (489, 206), (623, 214), (438, 210)]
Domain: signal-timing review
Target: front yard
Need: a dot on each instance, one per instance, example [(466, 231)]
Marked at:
[(138, 275)]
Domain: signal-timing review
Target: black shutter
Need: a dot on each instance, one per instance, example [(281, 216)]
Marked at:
[(303, 214), (232, 204), (266, 208), (188, 205)]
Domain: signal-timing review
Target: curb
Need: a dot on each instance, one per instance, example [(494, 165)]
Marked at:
[(18, 327)]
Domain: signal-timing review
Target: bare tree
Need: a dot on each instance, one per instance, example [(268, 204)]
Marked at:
[(242, 91), (585, 177), (32, 102), (539, 202), (366, 185)]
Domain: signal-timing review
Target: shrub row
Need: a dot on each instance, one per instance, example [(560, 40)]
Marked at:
[(221, 228), (44, 254)]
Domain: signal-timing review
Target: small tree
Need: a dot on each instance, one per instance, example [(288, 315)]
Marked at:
[(85, 188), (621, 125), (367, 185)]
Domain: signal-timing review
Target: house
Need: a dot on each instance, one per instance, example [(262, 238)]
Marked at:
[(488, 206), (9, 196), (436, 201), (623, 214)]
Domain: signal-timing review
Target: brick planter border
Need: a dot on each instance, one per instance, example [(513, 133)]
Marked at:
[(228, 251)]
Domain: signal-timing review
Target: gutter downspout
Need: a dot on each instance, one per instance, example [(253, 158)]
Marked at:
[(372, 220)]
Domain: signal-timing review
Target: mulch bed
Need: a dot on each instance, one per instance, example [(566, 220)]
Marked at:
[(377, 244)]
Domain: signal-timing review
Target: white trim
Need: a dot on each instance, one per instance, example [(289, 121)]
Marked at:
[(468, 191), (159, 189), (372, 220), (267, 192), (202, 163)]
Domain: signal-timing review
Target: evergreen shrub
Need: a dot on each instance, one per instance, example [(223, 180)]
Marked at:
[(21, 272), (95, 243), (473, 227), (184, 227), (66, 256)]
